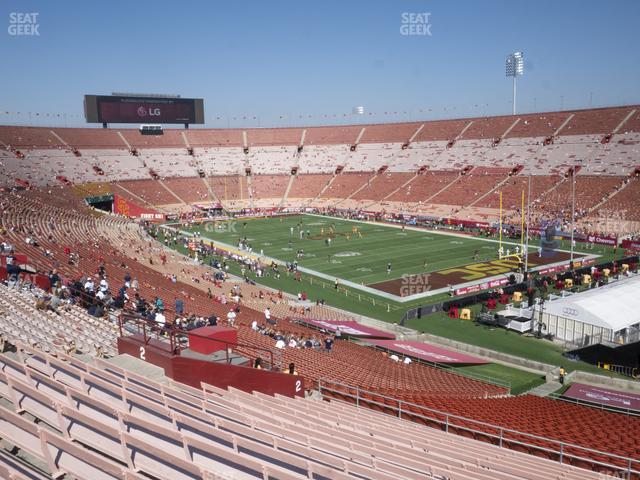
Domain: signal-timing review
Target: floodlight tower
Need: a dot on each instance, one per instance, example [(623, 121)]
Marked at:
[(514, 68)]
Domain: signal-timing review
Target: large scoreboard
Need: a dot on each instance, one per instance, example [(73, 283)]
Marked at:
[(142, 109)]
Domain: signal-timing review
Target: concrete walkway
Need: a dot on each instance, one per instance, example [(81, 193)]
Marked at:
[(146, 369), (545, 389)]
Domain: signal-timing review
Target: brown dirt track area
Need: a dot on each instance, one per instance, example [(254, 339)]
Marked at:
[(414, 284)]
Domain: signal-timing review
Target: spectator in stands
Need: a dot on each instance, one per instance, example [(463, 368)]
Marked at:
[(122, 297), (159, 304), (140, 304), (338, 334), (179, 306), (561, 375), (231, 317), (89, 285), (54, 278), (292, 369), (267, 317), (254, 325), (96, 309), (160, 319), (213, 320), (257, 363), (328, 344), (127, 280), (100, 295)]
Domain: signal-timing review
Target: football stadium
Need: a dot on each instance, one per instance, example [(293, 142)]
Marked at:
[(364, 240)]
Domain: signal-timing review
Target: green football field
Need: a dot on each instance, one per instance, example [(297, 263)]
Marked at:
[(364, 260), (362, 257)]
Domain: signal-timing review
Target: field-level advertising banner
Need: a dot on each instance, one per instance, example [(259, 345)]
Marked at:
[(482, 286), (602, 240), (350, 328), (124, 206), (565, 266), (611, 398), (427, 352), (632, 244)]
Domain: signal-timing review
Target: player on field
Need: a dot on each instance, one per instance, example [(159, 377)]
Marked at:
[(388, 268)]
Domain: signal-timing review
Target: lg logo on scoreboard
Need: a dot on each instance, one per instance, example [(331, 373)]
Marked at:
[(152, 112)]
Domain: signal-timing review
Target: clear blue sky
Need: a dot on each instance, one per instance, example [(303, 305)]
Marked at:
[(268, 59)]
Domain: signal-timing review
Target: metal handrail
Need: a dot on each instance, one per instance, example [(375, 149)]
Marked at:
[(623, 370), (147, 326), (502, 430)]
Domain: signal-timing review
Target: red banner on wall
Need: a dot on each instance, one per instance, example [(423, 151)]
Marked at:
[(124, 206), (634, 244), (602, 240), (481, 286)]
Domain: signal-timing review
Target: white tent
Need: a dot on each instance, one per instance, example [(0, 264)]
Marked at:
[(606, 312)]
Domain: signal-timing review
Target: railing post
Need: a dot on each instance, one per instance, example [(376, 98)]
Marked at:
[(357, 396), (446, 423), (561, 452), (400, 409), (501, 437)]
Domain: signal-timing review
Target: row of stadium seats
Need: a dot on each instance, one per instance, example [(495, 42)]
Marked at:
[(115, 235), (550, 194), (602, 120), (68, 329), (41, 166), (169, 431), (446, 392), (542, 423)]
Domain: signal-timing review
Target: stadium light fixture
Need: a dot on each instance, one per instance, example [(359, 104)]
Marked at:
[(359, 110), (514, 68)]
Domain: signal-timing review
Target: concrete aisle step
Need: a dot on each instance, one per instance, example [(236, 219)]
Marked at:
[(148, 370), (545, 389)]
